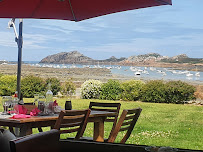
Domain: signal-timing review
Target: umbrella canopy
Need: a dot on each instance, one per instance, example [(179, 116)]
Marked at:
[(74, 10)]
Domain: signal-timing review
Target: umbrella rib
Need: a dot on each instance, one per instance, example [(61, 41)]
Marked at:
[(36, 8), (72, 11), (162, 1)]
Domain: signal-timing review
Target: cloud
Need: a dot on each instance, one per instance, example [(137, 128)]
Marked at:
[(145, 30), (165, 46), (7, 39), (67, 27)]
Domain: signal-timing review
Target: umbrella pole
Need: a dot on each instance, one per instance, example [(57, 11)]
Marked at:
[(20, 45)]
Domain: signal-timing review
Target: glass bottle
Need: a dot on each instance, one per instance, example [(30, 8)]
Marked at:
[(49, 94), (15, 103), (49, 101)]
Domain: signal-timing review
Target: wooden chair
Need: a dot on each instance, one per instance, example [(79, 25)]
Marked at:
[(41, 142), (110, 107), (70, 121), (126, 122)]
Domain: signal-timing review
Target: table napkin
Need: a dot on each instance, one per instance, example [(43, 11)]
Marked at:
[(34, 112), (20, 109), (20, 116)]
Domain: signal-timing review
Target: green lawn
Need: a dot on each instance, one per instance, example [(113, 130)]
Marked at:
[(179, 126)]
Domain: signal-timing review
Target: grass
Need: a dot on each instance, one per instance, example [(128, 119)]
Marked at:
[(178, 126)]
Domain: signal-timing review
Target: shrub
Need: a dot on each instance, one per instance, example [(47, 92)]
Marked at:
[(131, 90), (55, 85), (199, 92), (154, 91), (7, 85), (68, 88), (31, 85), (111, 90), (91, 89), (178, 92)]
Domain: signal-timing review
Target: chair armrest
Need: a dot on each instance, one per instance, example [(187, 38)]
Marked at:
[(41, 142)]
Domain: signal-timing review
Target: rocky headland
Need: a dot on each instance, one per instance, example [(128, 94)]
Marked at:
[(181, 62)]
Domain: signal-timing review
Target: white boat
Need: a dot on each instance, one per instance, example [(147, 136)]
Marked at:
[(159, 71), (189, 75), (118, 67), (133, 68), (109, 67), (152, 68), (164, 74), (140, 70), (145, 72), (4, 63), (137, 73), (197, 74), (73, 66)]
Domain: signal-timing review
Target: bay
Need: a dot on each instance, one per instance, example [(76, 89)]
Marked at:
[(134, 71)]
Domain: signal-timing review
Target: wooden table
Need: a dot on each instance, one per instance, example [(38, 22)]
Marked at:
[(26, 125)]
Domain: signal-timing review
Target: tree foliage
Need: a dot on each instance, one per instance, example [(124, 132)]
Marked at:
[(31, 85), (111, 90), (68, 88), (131, 89), (55, 85), (154, 91), (7, 85)]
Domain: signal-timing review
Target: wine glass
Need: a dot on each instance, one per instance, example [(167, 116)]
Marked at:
[(6, 102)]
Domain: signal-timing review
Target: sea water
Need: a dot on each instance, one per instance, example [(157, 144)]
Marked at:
[(145, 72)]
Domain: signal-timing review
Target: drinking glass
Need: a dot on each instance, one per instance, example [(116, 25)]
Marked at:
[(14, 106), (41, 104), (68, 105), (46, 108), (6, 102), (49, 109)]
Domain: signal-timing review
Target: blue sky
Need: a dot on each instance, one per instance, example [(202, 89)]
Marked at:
[(167, 30)]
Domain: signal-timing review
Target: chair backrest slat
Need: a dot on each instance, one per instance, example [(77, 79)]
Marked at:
[(106, 109), (101, 104), (124, 128), (72, 121), (131, 115), (126, 123), (70, 125)]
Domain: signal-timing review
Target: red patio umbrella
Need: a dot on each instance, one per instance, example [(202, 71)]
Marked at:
[(74, 10)]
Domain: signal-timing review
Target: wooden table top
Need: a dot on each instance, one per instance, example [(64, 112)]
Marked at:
[(54, 117)]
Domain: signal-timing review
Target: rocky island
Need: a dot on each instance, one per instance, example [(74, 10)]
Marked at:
[(182, 61)]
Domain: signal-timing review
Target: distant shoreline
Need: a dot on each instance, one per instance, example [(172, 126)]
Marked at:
[(77, 74), (175, 66)]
